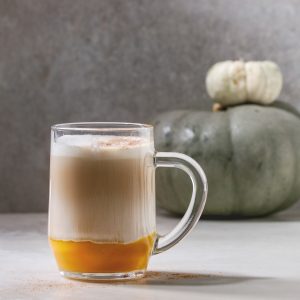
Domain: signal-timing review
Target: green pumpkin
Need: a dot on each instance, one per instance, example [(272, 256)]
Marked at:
[(250, 154)]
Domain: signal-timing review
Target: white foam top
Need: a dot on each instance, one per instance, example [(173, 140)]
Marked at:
[(87, 145)]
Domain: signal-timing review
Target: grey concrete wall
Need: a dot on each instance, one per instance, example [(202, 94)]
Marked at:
[(72, 60)]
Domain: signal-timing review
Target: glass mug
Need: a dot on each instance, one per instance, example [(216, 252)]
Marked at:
[(102, 199)]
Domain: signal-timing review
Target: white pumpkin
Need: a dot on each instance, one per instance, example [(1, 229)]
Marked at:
[(234, 82)]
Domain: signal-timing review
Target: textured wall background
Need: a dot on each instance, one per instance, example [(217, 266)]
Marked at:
[(115, 60)]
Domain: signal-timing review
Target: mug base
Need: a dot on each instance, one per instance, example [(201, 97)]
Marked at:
[(103, 276)]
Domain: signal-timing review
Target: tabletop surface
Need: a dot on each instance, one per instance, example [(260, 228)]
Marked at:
[(250, 259)]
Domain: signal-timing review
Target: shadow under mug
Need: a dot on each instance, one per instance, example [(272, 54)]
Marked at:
[(102, 223)]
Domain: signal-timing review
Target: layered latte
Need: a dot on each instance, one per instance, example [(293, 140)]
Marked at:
[(102, 203)]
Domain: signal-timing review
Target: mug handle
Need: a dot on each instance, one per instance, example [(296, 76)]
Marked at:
[(197, 203)]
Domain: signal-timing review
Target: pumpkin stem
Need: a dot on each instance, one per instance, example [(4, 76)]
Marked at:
[(217, 107)]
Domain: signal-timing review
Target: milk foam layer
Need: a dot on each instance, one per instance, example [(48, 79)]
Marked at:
[(101, 189), (98, 146)]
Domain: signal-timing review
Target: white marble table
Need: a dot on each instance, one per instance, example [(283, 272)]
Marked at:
[(254, 259)]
